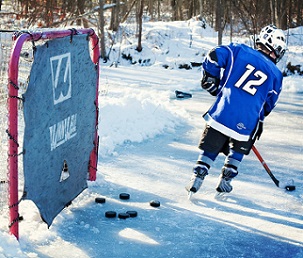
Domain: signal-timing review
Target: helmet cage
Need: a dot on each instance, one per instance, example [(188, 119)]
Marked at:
[(274, 40)]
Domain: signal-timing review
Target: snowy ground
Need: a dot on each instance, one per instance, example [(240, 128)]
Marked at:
[(148, 145)]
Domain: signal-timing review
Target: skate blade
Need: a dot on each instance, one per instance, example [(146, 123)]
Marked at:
[(221, 195), (189, 195)]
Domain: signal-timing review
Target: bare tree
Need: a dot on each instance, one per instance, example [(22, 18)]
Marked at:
[(219, 19), (128, 10), (281, 14), (140, 17), (101, 30), (151, 9), (115, 17), (273, 13), (159, 9), (176, 6), (81, 10)]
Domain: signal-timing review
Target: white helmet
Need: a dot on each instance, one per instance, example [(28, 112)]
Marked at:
[(274, 40)]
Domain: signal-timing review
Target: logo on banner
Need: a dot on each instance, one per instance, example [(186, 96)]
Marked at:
[(65, 129), (61, 77)]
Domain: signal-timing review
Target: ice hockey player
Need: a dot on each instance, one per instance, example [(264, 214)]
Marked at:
[(246, 83)]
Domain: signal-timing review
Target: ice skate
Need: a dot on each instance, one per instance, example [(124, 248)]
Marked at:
[(196, 180), (224, 185)]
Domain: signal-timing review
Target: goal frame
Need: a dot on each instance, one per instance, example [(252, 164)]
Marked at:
[(13, 146)]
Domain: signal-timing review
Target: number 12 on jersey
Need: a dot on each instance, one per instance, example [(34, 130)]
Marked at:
[(250, 86)]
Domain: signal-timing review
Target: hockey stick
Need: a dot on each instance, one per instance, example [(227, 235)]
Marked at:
[(289, 186)]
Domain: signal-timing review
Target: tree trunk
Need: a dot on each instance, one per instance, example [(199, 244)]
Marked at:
[(128, 12), (115, 16), (280, 14), (159, 10), (173, 5), (219, 18), (180, 13), (81, 10), (300, 3), (201, 9), (273, 10), (140, 16), (101, 30), (283, 15), (231, 22), (151, 9)]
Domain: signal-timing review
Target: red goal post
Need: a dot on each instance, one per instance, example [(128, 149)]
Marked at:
[(20, 38)]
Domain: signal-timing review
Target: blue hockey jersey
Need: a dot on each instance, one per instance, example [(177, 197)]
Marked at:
[(249, 89)]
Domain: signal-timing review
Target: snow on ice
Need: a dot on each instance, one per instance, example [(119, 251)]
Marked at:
[(148, 145)]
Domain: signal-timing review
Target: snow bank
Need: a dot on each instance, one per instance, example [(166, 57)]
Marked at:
[(9, 246), (293, 84), (133, 118)]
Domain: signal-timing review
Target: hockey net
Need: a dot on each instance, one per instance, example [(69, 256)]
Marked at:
[(13, 185)]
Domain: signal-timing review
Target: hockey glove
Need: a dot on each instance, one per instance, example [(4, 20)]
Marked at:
[(266, 113), (210, 83), (259, 130)]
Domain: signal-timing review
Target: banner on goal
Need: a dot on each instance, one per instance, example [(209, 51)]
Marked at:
[(60, 117)]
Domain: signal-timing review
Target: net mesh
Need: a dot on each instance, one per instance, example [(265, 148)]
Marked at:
[(25, 61), (5, 50)]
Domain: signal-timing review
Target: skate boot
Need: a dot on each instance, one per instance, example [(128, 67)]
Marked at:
[(197, 178), (226, 177)]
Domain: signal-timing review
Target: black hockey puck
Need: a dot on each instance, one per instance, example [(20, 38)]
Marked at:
[(100, 200), (123, 215), (110, 214), (132, 214), (124, 196), (182, 95), (290, 188), (154, 203)]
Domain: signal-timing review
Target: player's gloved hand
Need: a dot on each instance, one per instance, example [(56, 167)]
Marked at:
[(266, 113), (259, 130), (210, 83)]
